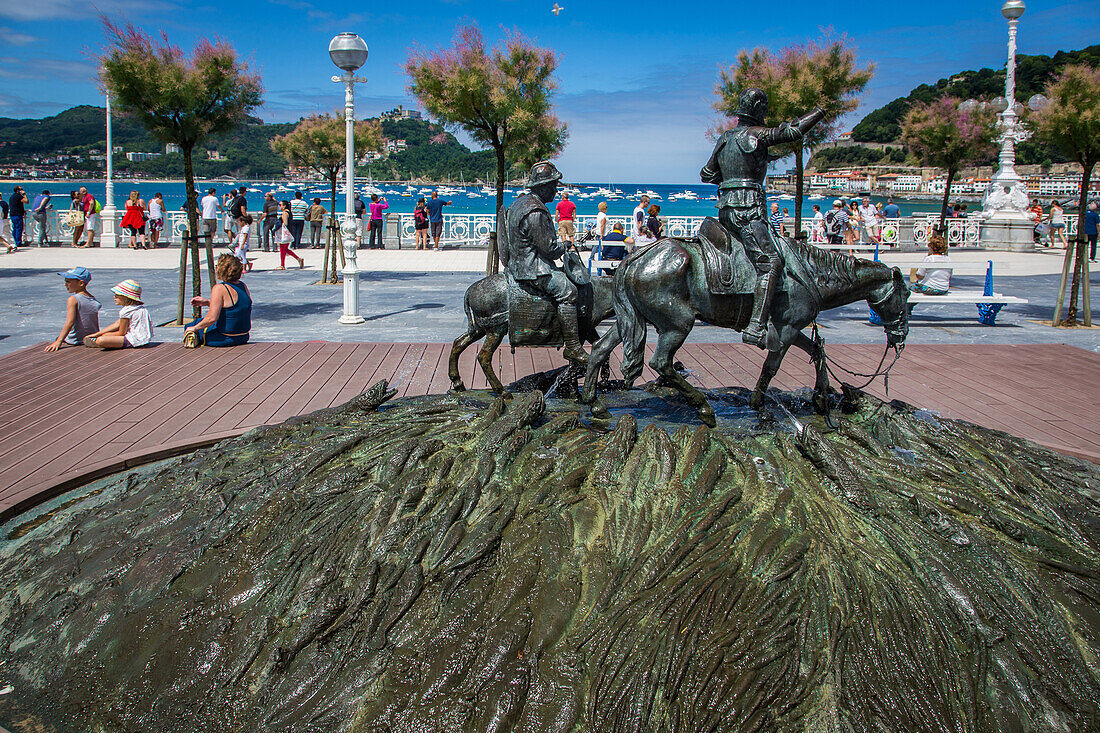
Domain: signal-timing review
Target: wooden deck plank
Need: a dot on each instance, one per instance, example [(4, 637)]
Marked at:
[(165, 399)]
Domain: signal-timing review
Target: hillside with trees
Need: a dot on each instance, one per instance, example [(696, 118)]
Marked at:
[(430, 152), (883, 125)]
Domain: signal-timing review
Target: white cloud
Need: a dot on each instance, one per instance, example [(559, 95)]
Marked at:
[(72, 9)]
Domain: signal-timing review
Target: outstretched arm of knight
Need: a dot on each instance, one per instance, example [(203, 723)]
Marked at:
[(791, 131)]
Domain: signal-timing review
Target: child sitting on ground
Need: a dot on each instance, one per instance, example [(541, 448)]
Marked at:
[(240, 247), (132, 329), (81, 310)]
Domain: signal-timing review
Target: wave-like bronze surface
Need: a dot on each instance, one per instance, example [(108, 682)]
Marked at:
[(459, 564)]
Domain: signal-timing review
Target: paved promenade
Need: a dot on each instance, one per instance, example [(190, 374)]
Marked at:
[(79, 414)]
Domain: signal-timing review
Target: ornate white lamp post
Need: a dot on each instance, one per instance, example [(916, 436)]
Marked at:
[(1004, 205), (349, 52), (109, 237)]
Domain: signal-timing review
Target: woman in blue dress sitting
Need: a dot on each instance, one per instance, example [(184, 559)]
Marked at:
[(229, 319)]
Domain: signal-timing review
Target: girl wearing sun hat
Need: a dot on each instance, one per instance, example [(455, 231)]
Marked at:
[(132, 329)]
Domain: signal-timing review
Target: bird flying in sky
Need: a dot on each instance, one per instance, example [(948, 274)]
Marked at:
[(556, 10)]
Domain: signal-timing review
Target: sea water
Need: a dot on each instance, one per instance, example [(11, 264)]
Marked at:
[(674, 199)]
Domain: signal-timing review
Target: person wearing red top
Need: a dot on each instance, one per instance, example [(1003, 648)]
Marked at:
[(567, 231), (377, 206), (91, 216)]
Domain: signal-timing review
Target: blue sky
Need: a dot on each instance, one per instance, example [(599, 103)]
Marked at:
[(636, 78)]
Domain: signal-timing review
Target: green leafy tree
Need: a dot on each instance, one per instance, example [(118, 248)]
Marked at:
[(797, 79), (179, 100), (1071, 121), (501, 98), (944, 134), (318, 143)]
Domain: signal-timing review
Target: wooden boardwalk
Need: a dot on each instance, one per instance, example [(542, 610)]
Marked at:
[(68, 417)]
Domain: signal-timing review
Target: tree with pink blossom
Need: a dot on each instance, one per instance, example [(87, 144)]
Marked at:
[(318, 142), (821, 73), (502, 98), (1071, 120), (946, 134), (179, 100)]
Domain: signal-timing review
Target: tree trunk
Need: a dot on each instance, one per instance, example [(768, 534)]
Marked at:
[(1078, 244), (193, 229), (492, 264), (942, 231), (798, 183)]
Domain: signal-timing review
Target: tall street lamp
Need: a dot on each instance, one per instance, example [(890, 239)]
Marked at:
[(349, 52), (109, 237), (1004, 205)]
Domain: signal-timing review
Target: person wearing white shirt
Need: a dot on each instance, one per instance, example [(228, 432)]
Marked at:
[(868, 215), (932, 278), (637, 219), (601, 220), (210, 206), (817, 228)]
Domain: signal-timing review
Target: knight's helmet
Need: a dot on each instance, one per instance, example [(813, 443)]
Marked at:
[(752, 107), (542, 173)]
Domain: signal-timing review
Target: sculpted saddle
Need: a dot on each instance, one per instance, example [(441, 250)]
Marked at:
[(727, 268)]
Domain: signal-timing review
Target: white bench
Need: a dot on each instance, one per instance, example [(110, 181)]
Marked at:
[(988, 301)]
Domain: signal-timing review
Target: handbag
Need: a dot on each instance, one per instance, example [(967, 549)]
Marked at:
[(283, 236), (75, 218)]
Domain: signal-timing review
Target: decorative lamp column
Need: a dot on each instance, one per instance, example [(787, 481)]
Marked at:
[(1004, 205), (109, 237), (349, 52)]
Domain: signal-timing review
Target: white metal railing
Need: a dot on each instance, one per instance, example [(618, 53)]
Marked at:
[(474, 229)]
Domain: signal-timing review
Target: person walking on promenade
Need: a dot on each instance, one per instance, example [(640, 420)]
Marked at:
[(420, 224), (298, 211), (39, 210), (132, 329), (1092, 228), (851, 230), (81, 310), (238, 207), (435, 216), (285, 237), (567, 229), (133, 221), (836, 221), (360, 212), (210, 207), (229, 318), (1035, 211), (817, 228), (869, 215), (602, 227), (76, 216), (156, 219), (227, 216), (377, 206), (270, 221), (776, 219), (637, 219), (316, 216), (1057, 220), (5, 227), (17, 212), (240, 245), (91, 208), (653, 223)]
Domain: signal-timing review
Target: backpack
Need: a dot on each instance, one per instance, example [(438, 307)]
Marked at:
[(96, 206), (832, 223)]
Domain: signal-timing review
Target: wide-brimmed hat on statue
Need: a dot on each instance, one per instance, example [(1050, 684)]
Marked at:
[(752, 106), (542, 173), (129, 289)]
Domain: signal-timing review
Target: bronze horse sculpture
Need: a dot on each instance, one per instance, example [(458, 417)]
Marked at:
[(487, 315), (663, 285)]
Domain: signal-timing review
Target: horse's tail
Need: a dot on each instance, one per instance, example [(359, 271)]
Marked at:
[(471, 327), (632, 330)]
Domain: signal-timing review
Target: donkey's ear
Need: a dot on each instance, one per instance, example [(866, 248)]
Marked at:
[(898, 275)]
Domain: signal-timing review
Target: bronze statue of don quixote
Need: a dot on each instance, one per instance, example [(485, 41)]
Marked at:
[(738, 273)]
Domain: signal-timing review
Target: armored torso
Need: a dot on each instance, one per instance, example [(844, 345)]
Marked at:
[(532, 240)]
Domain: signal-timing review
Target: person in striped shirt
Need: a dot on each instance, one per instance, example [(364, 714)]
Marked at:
[(298, 211), (777, 219)]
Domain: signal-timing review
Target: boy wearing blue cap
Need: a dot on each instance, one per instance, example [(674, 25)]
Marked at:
[(81, 310)]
